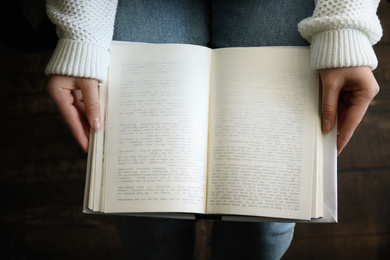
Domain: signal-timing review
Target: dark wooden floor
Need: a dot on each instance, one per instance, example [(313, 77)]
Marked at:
[(42, 177)]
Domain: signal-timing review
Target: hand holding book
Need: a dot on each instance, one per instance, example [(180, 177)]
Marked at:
[(348, 92), (78, 102), (147, 91), (188, 129)]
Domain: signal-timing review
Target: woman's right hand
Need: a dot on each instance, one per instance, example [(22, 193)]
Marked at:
[(346, 92), (78, 102)]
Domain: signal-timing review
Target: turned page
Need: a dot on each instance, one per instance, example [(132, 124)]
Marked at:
[(263, 120), (156, 141)]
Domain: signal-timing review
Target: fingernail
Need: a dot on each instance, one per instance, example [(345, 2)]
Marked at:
[(96, 123), (326, 126)]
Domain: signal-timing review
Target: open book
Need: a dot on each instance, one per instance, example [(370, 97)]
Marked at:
[(231, 132)]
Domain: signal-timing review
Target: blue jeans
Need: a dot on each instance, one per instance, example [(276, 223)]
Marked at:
[(158, 238), (213, 23), (216, 24)]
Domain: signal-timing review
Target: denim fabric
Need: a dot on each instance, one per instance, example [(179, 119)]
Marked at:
[(156, 238), (249, 23), (219, 23), (163, 21), (160, 239), (247, 240)]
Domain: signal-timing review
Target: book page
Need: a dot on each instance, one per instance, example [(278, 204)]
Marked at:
[(318, 179), (156, 156), (95, 169), (263, 120)]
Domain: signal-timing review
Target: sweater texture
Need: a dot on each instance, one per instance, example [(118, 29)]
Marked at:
[(341, 33)]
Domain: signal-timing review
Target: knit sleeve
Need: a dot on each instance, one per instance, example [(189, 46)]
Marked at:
[(85, 30), (342, 32)]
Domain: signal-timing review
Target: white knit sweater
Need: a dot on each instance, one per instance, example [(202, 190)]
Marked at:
[(341, 33)]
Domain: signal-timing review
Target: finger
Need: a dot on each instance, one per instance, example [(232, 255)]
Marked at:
[(330, 96), (89, 89), (353, 106), (78, 100), (350, 117), (79, 105), (77, 126)]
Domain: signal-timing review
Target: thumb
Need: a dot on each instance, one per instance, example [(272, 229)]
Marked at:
[(330, 97), (90, 91)]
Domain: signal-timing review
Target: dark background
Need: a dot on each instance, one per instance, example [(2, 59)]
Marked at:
[(42, 170)]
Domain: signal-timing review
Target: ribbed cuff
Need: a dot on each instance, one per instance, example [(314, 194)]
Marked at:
[(79, 59), (342, 48)]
